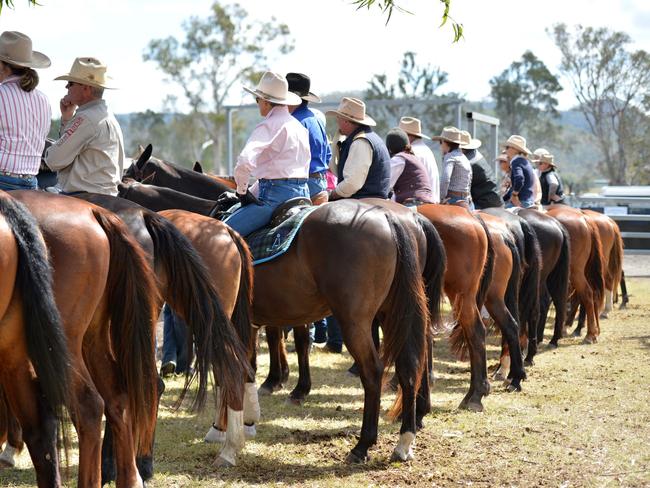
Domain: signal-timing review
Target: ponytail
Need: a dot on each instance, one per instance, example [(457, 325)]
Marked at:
[(28, 76)]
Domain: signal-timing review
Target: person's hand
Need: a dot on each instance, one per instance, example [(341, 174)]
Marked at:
[(67, 109), (334, 196), (515, 200), (247, 198)]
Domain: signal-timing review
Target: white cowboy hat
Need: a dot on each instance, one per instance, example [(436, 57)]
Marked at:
[(274, 88), (16, 49), (542, 155), (518, 142), (471, 143), (412, 126), (88, 71), (354, 110), (451, 134)]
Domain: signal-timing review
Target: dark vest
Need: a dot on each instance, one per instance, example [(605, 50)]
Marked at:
[(544, 183), (484, 190), (377, 184), (414, 181)]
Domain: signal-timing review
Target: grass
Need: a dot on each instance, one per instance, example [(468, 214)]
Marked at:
[(583, 419)]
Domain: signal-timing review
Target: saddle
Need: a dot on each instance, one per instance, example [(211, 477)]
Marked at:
[(288, 209)]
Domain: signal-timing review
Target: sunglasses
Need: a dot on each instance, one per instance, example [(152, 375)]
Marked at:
[(70, 84)]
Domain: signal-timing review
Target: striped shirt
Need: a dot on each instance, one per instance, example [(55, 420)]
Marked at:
[(25, 119), (456, 174)]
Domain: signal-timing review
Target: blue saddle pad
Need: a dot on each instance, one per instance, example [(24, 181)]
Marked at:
[(269, 243)]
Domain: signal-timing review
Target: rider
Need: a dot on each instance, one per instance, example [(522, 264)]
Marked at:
[(409, 178), (522, 176), (362, 163), (277, 153), (552, 188), (456, 173), (484, 185), (25, 115), (89, 154), (318, 144), (413, 129)]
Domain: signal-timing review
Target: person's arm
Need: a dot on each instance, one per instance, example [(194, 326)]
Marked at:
[(397, 164), (447, 170), (356, 168), (517, 178), (553, 185), (74, 136), (259, 140)]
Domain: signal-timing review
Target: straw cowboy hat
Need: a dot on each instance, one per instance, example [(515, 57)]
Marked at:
[(412, 126), (472, 144), (300, 85), (451, 134), (88, 71), (354, 110), (517, 142), (542, 155), (275, 89), (16, 49)]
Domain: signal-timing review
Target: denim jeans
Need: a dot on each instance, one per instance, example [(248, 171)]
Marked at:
[(334, 336), (8, 183), (317, 184), (272, 194), (453, 200), (318, 331), (174, 340), (527, 203)]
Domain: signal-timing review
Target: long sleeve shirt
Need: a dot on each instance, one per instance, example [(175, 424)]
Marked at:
[(456, 174), (89, 154), (25, 119), (278, 147), (522, 178), (319, 147), (356, 168), (422, 151)]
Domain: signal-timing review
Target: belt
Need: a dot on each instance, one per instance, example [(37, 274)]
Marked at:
[(285, 179), (320, 174), (16, 175), (460, 194)]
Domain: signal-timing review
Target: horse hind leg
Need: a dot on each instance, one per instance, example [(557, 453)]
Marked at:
[(300, 392), (278, 367)]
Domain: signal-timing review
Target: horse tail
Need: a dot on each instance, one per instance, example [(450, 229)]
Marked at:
[(44, 335), (615, 267), (529, 292), (434, 267), (594, 267), (488, 269), (132, 301), (558, 281), (511, 297), (242, 314), (406, 322)]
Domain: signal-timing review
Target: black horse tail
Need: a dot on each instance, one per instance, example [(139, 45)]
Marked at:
[(190, 294), (406, 322), (512, 296), (44, 335), (594, 268), (558, 284), (133, 301), (615, 265), (242, 314), (433, 273), (529, 293), (488, 269)]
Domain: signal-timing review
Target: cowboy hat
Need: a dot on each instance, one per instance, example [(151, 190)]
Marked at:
[(354, 110), (16, 49), (472, 144), (542, 155), (451, 134), (517, 142), (300, 84), (88, 71), (274, 88), (502, 158), (412, 126)]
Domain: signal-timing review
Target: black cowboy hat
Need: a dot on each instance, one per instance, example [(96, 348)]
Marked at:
[(300, 84)]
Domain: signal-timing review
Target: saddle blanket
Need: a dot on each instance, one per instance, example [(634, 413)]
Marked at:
[(269, 243)]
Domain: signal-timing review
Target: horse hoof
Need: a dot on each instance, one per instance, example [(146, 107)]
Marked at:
[(498, 376), (222, 463), (552, 345), (604, 315), (250, 431), (511, 388), (400, 457), (264, 391), (297, 402), (576, 333), (352, 458), (471, 406), (589, 339)]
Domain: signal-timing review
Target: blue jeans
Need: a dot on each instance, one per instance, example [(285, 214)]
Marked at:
[(174, 340), (273, 193), (318, 331), (317, 184), (8, 183), (453, 200), (334, 336), (527, 203)]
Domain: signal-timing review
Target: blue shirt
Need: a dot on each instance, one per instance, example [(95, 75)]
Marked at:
[(522, 178), (318, 145)]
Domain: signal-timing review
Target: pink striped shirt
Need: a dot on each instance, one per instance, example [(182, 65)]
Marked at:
[(25, 119)]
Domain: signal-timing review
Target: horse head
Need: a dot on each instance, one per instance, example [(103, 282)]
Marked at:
[(136, 170)]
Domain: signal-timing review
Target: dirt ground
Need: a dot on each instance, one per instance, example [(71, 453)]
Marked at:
[(583, 419)]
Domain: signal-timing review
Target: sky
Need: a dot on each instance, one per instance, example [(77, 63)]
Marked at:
[(338, 47)]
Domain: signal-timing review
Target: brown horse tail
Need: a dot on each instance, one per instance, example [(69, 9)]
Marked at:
[(558, 284), (433, 274), (615, 268), (45, 339), (594, 268), (132, 301), (406, 322), (242, 314), (488, 269), (529, 292)]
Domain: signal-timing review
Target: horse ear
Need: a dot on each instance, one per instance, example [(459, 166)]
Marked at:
[(148, 179), (144, 157), (197, 167)]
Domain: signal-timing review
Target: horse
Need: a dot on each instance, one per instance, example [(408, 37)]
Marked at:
[(586, 269), (35, 375)]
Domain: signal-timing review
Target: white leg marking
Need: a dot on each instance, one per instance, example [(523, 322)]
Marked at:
[(251, 404), (404, 449), (234, 437)]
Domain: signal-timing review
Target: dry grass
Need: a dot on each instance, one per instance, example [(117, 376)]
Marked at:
[(582, 420)]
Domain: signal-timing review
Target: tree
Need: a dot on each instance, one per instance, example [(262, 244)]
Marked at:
[(217, 52), (10, 3), (525, 99), (612, 86)]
